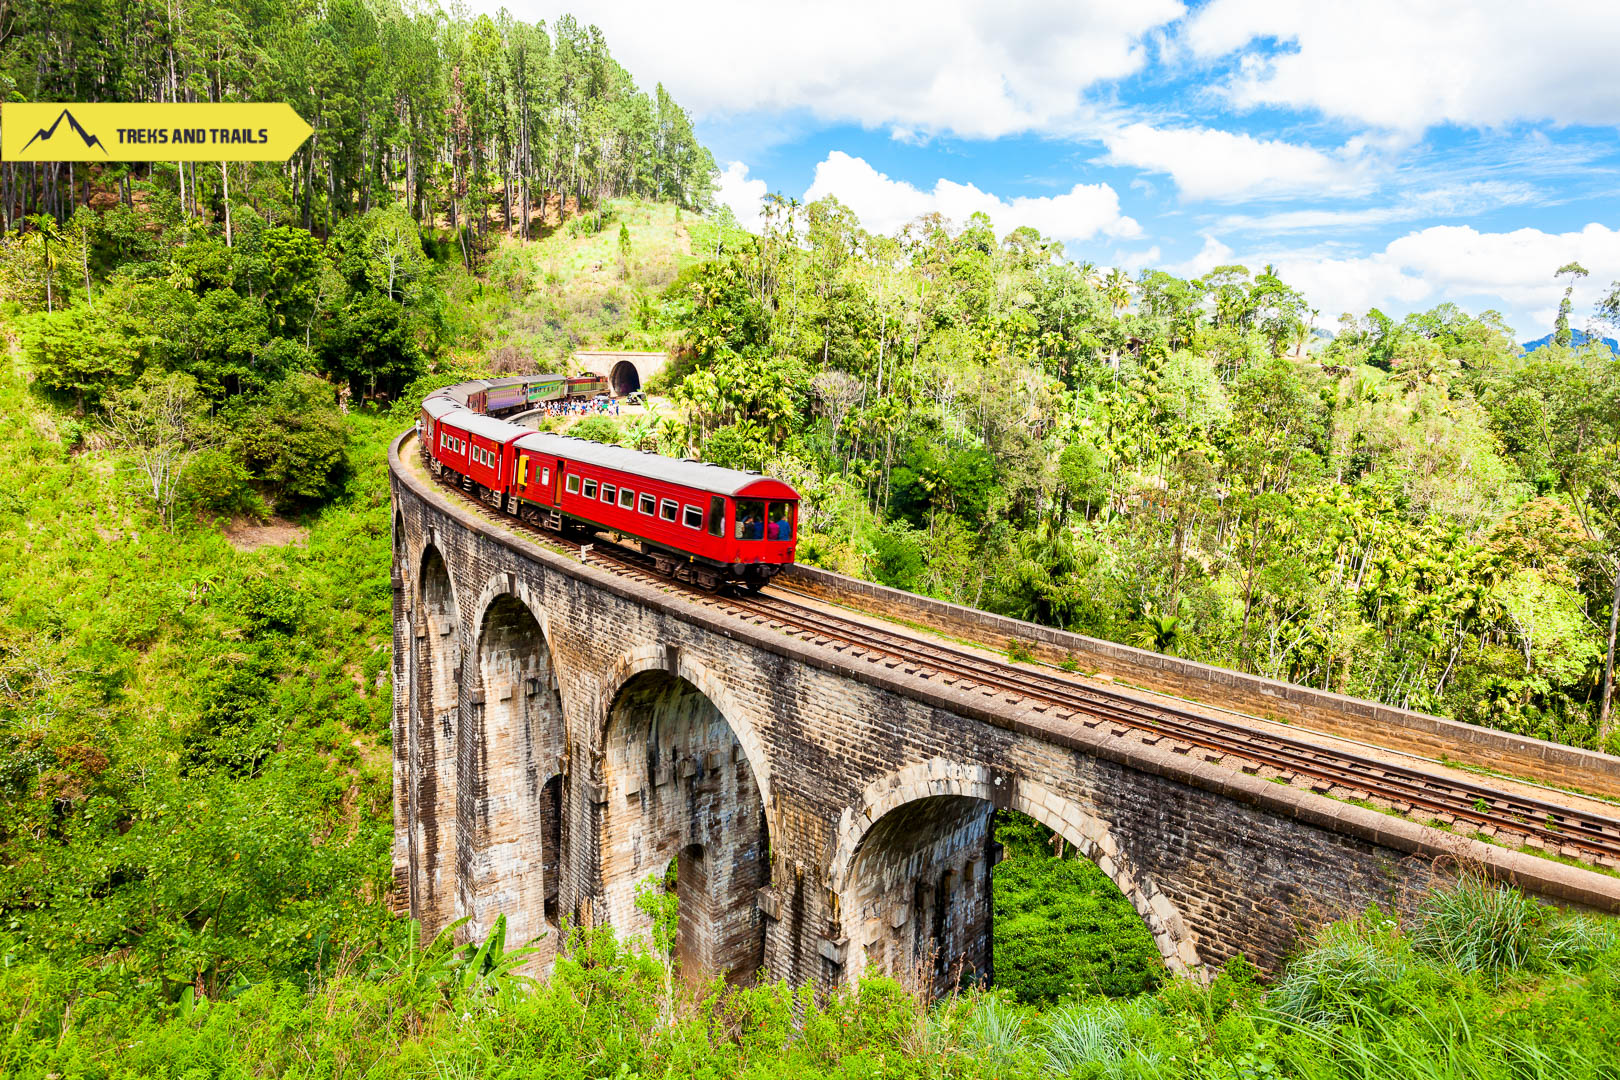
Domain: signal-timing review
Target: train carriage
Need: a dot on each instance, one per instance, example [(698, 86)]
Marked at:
[(698, 521), (587, 385), (505, 395), (478, 448), (545, 388)]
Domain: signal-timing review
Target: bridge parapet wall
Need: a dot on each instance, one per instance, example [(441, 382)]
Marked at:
[(1337, 714)]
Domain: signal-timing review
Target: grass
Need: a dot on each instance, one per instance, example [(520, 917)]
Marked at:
[(1427, 995)]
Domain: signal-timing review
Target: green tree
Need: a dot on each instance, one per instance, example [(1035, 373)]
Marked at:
[(1570, 273), (82, 351), (293, 439)]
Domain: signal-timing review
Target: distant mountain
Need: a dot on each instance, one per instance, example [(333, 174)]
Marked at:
[(1577, 338)]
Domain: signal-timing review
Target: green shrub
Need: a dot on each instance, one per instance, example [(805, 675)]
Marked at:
[(1480, 925), (1061, 926)]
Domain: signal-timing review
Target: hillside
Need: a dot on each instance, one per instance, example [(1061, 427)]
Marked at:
[(1577, 339)]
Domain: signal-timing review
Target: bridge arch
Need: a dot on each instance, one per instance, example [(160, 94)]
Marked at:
[(509, 808), (944, 796), (678, 780), (710, 685), (435, 676)]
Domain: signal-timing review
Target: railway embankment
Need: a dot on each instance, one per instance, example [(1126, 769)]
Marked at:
[(1405, 730)]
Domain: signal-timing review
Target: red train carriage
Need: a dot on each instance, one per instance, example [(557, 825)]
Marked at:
[(699, 522), (476, 447)]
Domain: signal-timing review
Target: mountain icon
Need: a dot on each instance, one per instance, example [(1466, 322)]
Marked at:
[(46, 133)]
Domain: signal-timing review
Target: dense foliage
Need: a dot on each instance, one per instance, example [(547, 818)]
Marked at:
[(1062, 929), (1477, 982), (468, 120), (1410, 511), (193, 738)]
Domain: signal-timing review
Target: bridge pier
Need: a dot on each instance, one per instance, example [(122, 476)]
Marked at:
[(677, 785), (512, 742)]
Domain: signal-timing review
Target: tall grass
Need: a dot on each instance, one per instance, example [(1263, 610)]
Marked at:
[(1480, 925)]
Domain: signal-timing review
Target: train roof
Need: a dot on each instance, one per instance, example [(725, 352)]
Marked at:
[(487, 427), (700, 475), (440, 402)]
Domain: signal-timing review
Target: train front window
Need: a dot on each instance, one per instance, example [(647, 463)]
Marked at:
[(779, 523), (750, 519), (717, 516)]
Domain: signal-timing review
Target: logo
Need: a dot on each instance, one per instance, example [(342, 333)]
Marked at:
[(164, 131), (48, 133)]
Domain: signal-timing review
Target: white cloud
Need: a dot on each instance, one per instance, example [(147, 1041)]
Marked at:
[(1511, 271), (920, 67), (742, 195), (1453, 201), (1223, 165), (1212, 254), (884, 205), (1407, 65)]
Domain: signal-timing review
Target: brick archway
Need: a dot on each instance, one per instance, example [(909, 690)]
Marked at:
[(674, 780), (940, 777)]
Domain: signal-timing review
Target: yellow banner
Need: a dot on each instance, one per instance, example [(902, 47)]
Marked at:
[(73, 131)]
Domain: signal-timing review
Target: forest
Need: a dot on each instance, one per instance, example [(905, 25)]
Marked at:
[(1411, 511), (205, 370)]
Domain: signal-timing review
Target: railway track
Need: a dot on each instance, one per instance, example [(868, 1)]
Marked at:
[(1427, 797)]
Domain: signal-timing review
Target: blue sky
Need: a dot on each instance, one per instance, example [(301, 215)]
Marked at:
[(1396, 153)]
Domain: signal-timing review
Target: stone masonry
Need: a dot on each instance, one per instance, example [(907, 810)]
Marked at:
[(564, 733)]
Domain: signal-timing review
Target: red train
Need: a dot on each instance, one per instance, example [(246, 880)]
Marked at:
[(699, 522)]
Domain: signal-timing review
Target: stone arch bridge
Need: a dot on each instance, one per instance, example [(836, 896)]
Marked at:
[(561, 733)]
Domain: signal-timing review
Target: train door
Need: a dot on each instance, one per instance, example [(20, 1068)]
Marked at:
[(557, 484)]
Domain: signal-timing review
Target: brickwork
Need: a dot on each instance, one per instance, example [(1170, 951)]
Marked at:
[(434, 710), (920, 908), (513, 724), (1337, 714), (679, 729), (676, 782)]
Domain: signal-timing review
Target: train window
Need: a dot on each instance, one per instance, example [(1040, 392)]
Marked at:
[(627, 499), (573, 485), (692, 518), (750, 519), (609, 493), (666, 509), (590, 489), (717, 516), (545, 476), (647, 503), (779, 523)]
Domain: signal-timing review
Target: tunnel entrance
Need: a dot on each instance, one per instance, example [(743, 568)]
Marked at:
[(678, 786), (624, 378)]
